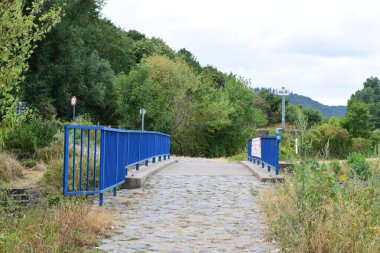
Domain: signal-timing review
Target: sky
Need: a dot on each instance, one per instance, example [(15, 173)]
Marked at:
[(321, 49)]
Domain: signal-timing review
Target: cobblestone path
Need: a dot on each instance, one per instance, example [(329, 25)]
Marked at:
[(183, 209)]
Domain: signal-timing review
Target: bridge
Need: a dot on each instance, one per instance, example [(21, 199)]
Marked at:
[(171, 204)]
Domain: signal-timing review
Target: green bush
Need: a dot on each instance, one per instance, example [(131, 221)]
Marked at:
[(335, 166), (359, 165), (361, 145), (35, 133), (337, 137)]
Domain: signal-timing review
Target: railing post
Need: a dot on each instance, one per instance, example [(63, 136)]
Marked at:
[(102, 164), (74, 156), (66, 160), (278, 139)]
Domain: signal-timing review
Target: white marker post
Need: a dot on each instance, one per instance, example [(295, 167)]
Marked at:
[(283, 92), (73, 102), (142, 112), (296, 146)]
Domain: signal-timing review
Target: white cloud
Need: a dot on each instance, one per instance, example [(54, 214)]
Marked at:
[(322, 49)]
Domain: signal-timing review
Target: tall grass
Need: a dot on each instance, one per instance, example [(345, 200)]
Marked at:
[(321, 210), (67, 227)]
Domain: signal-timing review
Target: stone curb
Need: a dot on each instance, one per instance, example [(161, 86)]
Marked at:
[(136, 179), (262, 174)]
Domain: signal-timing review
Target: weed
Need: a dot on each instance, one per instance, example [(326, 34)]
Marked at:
[(359, 166), (237, 158), (10, 168), (313, 212)]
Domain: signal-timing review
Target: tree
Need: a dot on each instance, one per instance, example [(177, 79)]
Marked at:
[(370, 95), (68, 63), (19, 34), (20, 29), (358, 120)]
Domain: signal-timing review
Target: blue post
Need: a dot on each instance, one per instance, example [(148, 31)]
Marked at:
[(268, 168), (66, 160), (81, 160), (146, 162), (262, 165), (74, 155), (96, 136), (154, 160), (102, 162), (88, 160), (168, 157), (101, 199), (114, 191), (164, 157), (137, 166), (159, 158), (278, 139)]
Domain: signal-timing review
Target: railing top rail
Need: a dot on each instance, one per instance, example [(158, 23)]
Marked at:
[(265, 137), (110, 129)]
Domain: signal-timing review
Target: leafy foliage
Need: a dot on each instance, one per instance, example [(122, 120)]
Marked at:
[(31, 135), (358, 121), (359, 165), (338, 139), (370, 95)]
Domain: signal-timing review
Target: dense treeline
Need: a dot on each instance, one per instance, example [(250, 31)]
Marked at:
[(114, 73)]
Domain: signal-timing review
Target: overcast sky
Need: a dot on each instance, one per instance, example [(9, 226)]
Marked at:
[(323, 49)]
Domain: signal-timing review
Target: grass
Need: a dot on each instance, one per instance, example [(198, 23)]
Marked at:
[(10, 168), (237, 158), (58, 223), (67, 227), (323, 209)]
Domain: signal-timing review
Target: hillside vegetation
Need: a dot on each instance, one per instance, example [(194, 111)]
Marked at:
[(327, 111), (54, 50)]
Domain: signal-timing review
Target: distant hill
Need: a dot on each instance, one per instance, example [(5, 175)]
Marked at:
[(326, 110)]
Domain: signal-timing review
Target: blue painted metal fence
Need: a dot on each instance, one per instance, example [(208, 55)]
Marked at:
[(266, 152), (96, 158)]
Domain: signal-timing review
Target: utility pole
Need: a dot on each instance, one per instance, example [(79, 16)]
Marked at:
[(283, 92), (142, 112)]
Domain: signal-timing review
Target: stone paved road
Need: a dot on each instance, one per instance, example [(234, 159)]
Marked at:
[(192, 206)]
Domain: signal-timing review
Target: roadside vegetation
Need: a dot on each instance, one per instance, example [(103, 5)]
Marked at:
[(53, 50)]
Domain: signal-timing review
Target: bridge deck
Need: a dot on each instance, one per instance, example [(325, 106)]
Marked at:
[(194, 205)]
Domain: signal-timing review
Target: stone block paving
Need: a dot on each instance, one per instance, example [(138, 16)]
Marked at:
[(191, 213)]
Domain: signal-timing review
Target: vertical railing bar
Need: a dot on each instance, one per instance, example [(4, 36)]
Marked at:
[(81, 160), (101, 166), (66, 160), (95, 143), (88, 160), (74, 155)]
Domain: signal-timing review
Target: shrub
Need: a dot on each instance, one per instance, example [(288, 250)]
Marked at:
[(53, 151), (35, 133), (361, 145), (338, 138), (335, 166), (359, 165), (10, 168), (312, 212)]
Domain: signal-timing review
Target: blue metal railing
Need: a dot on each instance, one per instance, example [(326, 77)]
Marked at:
[(96, 158), (265, 150)]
